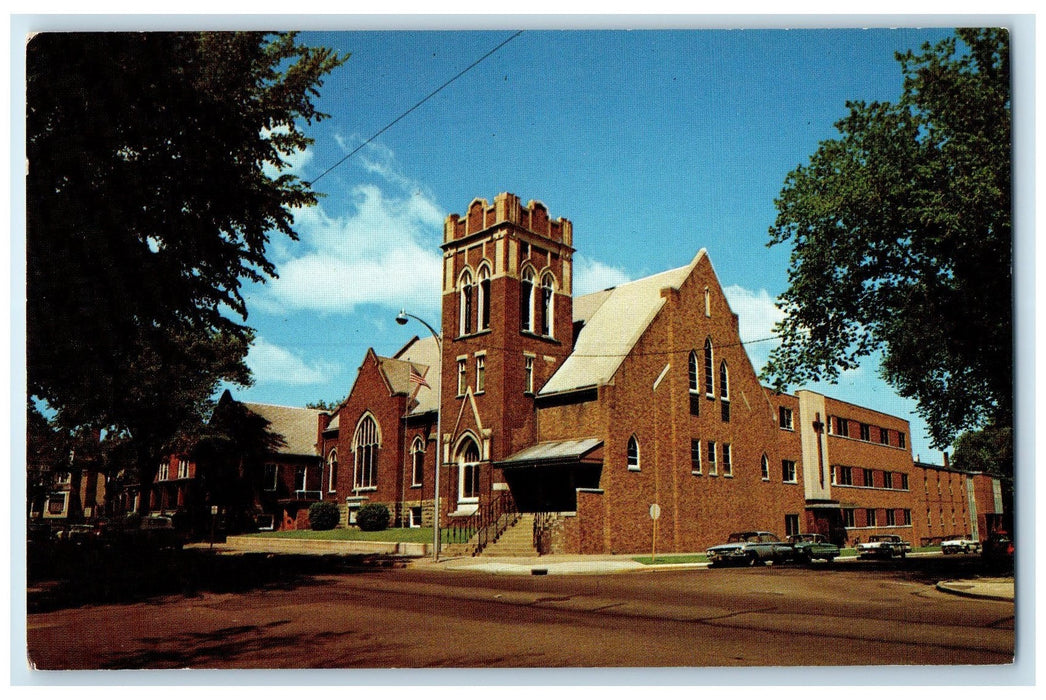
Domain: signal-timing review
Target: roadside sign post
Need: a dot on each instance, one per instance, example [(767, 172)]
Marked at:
[(214, 519), (655, 513)]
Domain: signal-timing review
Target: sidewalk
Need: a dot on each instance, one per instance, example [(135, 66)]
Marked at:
[(985, 588), (999, 588)]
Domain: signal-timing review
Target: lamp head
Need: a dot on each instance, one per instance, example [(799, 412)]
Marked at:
[(402, 318)]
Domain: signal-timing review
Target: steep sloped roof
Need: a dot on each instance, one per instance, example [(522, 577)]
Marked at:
[(423, 354), (297, 426), (614, 321)]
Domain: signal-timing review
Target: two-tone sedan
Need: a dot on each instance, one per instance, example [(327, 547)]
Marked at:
[(750, 548), (811, 545)]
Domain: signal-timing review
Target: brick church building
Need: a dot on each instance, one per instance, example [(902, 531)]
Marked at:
[(585, 412), (589, 410)]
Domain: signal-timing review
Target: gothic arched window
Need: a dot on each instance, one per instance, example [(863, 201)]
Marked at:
[(526, 300), (709, 368), (365, 446), (466, 303), (547, 300), (484, 299)]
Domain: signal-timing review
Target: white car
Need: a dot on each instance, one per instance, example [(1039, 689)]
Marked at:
[(956, 544), (883, 546)]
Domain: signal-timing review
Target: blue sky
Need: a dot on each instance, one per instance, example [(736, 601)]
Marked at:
[(653, 143)]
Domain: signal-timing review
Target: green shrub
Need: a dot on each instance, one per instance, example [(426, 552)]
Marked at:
[(324, 515), (372, 517)]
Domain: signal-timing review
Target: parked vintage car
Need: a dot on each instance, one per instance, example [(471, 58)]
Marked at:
[(811, 545), (751, 548), (883, 546), (958, 543), (998, 549)]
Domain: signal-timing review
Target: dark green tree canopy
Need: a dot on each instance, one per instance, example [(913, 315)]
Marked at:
[(901, 240), (155, 180)]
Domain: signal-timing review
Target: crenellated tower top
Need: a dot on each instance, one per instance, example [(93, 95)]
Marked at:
[(507, 209)]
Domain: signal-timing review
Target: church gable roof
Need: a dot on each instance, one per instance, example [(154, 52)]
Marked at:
[(614, 320), (423, 354), (297, 426)]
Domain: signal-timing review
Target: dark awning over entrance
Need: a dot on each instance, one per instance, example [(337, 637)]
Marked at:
[(552, 453), (545, 477)]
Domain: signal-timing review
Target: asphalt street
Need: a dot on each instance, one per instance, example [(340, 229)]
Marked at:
[(435, 618)]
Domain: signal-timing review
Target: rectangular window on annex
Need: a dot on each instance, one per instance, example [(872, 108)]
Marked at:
[(695, 456), (791, 524), (869, 517), (866, 432), (785, 418), (849, 520), (788, 470)]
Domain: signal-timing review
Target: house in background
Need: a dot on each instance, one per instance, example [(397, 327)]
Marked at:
[(268, 487)]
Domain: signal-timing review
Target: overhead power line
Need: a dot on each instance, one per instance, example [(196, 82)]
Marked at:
[(418, 104)]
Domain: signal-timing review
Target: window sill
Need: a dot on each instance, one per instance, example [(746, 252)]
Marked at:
[(474, 334), (634, 469), (696, 473)]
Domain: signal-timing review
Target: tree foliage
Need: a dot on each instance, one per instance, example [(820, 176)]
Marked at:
[(901, 240), (156, 176), (989, 450)]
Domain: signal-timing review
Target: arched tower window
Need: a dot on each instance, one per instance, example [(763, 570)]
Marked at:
[(709, 368), (365, 445), (332, 470), (548, 284), (484, 298), (691, 368), (526, 300), (724, 381), (466, 303), (468, 471), (708, 302), (633, 453), (764, 468), (417, 462)]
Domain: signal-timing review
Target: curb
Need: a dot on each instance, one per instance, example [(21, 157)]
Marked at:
[(951, 588)]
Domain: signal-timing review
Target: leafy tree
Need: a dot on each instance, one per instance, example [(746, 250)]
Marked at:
[(901, 240), (229, 454), (157, 174), (323, 405), (989, 450)]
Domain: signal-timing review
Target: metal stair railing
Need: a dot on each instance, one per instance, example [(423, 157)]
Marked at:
[(484, 526), (543, 523)]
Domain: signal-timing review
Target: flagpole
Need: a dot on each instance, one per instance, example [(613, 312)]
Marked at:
[(402, 320)]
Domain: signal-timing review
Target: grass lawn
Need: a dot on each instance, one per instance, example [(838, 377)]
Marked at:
[(393, 534), (673, 559)]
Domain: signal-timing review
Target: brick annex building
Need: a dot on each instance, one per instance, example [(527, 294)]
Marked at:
[(589, 410)]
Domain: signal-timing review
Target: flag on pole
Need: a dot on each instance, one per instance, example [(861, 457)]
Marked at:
[(416, 378)]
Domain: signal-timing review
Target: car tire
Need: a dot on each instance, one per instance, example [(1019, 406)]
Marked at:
[(829, 559), (753, 560)]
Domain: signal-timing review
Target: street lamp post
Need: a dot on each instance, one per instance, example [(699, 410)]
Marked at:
[(402, 320)]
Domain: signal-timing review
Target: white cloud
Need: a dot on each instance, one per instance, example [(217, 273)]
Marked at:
[(757, 316), (384, 250), (271, 363), (592, 276), (295, 163)]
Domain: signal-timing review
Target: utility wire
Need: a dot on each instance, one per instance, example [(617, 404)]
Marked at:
[(421, 102)]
